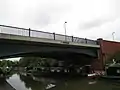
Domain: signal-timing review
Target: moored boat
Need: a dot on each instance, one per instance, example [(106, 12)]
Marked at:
[(112, 71)]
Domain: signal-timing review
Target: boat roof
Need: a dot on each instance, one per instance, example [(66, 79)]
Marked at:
[(115, 65)]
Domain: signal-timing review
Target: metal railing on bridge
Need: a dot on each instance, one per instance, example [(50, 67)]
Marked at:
[(40, 34)]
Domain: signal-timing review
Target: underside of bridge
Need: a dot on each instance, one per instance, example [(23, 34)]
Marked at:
[(70, 54), (75, 58)]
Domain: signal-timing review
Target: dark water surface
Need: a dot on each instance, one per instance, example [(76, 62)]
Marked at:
[(22, 82)]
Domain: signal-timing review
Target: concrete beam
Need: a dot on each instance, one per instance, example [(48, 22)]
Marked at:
[(43, 40)]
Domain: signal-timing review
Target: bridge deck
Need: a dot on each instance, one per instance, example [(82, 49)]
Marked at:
[(15, 33)]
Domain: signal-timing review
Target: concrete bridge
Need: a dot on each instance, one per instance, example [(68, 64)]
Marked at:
[(16, 41)]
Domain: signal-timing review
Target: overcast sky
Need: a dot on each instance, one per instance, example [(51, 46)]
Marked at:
[(85, 18)]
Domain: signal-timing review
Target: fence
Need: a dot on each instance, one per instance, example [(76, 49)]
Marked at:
[(40, 34)]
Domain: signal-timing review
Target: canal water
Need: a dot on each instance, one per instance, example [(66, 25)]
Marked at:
[(23, 82)]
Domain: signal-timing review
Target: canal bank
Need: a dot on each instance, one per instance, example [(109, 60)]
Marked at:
[(4, 85)]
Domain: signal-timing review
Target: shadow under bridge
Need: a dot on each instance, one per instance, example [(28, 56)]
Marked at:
[(12, 48)]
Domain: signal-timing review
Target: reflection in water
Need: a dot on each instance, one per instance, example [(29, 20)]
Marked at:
[(30, 83), (15, 81), (93, 82), (22, 82), (5, 85)]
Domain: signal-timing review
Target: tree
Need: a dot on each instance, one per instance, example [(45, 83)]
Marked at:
[(7, 63), (36, 61)]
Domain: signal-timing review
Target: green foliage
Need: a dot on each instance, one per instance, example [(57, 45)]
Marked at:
[(36, 61), (8, 63)]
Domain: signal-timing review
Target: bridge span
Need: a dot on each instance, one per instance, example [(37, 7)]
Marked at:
[(16, 41)]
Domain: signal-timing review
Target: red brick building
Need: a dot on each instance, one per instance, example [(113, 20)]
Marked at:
[(107, 49)]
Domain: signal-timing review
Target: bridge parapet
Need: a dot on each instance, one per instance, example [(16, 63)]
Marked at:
[(46, 35)]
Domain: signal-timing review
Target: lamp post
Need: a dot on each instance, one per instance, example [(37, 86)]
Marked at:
[(65, 30), (113, 35)]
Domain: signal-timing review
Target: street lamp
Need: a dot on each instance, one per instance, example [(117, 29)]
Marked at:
[(113, 34), (65, 29)]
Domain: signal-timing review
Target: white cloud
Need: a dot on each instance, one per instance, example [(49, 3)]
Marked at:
[(86, 18)]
